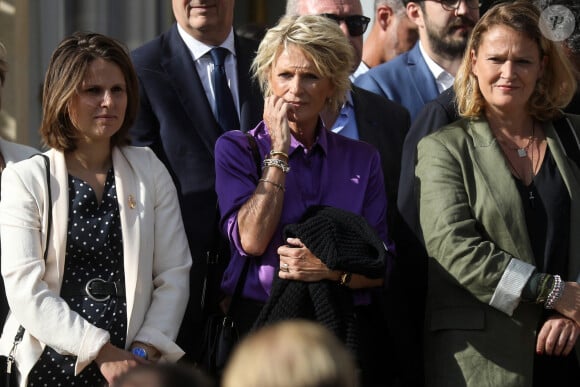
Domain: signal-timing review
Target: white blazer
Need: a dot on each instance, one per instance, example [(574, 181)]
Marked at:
[(155, 251)]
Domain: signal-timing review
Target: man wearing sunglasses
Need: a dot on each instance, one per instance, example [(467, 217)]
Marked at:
[(384, 124), (420, 75)]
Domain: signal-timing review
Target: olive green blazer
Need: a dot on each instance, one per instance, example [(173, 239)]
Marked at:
[(477, 331)]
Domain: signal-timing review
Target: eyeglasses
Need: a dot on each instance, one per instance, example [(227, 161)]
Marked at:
[(452, 5), (356, 24)]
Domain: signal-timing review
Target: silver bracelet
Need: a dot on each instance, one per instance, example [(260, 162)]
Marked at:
[(277, 185), (555, 293), (280, 164)]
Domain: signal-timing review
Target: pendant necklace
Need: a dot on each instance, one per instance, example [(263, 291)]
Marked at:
[(531, 197), (523, 152), (530, 187)]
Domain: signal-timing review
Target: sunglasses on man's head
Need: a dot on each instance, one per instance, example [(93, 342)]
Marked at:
[(356, 24)]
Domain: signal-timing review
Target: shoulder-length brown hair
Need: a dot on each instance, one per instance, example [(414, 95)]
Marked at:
[(554, 89), (64, 75)]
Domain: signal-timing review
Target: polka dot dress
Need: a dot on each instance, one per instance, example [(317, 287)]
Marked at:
[(94, 250)]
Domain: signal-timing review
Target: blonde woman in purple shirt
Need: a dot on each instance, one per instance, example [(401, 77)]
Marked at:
[(302, 65)]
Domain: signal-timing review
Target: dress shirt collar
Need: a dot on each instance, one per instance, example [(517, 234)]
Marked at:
[(345, 123), (321, 140), (199, 49), (443, 79), (361, 69)]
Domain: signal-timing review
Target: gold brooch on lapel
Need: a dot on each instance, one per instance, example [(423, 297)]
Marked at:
[(132, 203)]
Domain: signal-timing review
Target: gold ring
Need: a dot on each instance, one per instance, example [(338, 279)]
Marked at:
[(285, 268)]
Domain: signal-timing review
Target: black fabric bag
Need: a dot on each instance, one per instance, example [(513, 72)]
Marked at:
[(8, 370), (220, 332)]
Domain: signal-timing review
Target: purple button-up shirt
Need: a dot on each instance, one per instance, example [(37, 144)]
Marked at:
[(336, 171)]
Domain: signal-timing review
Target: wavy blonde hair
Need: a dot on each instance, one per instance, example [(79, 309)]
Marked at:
[(321, 40), (554, 89)]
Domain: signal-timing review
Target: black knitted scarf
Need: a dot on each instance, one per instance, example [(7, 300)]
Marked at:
[(343, 241)]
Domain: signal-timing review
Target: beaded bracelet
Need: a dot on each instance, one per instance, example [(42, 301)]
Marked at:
[(277, 185), (556, 292), (279, 153), (545, 286), (280, 164)]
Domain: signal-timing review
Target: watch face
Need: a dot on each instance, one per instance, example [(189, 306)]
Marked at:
[(138, 351)]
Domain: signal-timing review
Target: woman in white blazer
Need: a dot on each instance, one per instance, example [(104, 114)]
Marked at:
[(113, 289)]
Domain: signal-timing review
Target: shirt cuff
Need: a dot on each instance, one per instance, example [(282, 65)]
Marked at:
[(508, 293)]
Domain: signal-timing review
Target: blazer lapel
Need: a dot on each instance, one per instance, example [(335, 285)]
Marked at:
[(490, 163), (129, 199), (182, 75), (366, 126), (421, 76), (60, 207)]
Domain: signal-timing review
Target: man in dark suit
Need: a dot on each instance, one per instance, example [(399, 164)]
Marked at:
[(419, 75), (178, 120)]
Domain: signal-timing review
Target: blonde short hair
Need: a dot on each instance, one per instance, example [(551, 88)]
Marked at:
[(554, 89), (293, 353), (321, 39)]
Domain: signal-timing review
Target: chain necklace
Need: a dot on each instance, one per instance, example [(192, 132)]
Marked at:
[(523, 151), (533, 166)]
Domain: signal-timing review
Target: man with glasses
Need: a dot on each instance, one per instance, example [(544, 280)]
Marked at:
[(384, 124), (420, 75)]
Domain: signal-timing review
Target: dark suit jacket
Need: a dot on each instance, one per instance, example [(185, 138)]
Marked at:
[(384, 124), (436, 114), (405, 79), (176, 121), (406, 296), (574, 105)]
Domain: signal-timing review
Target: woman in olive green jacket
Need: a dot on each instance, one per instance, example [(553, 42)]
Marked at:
[(500, 211)]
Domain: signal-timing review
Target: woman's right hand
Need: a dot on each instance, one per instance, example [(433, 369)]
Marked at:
[(114, 362), (276, 119), (569, 303)]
